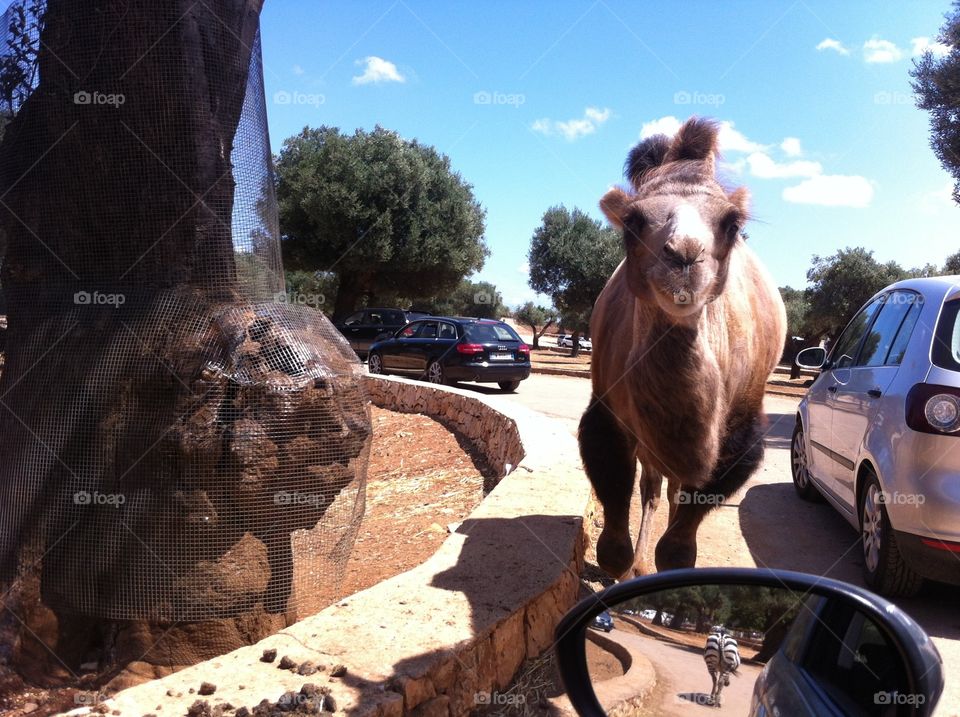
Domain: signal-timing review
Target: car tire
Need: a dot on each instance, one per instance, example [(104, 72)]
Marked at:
[(436, 374), (375, 364), (884, 568), (508, 386), (802, 482)]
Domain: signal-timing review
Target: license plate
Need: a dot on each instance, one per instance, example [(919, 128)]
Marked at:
[(501, 357)]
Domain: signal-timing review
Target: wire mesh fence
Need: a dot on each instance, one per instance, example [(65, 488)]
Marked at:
[(177, 442)]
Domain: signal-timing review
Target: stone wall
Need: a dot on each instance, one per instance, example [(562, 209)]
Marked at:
[(438, 640)]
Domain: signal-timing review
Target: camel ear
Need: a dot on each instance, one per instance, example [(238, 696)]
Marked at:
[(740, 198), (695, 140), (614, 205), (647, 155)]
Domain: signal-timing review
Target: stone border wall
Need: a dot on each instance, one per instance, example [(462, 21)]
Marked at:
[(441, 639)]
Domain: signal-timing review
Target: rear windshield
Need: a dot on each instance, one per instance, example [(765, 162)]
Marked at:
[(946, 339), (490, 333)]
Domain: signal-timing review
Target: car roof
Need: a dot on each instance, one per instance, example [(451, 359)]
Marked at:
[(929, 285)]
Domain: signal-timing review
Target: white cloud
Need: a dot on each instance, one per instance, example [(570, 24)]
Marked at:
[(920, 45), (376, 70), (524, 268), (576, 128), (762, 166), (731, 140), (830, 44), (832, 190), (878, 50), (791, 147), (297, 70)]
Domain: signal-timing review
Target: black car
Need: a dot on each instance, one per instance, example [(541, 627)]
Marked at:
[(441, 349), (364, 327), (603, 621)]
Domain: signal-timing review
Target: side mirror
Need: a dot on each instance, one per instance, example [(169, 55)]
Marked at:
[(761, 642), (813, 357)]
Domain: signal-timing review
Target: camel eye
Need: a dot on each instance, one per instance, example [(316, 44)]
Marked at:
[(633, 225), (731, 226)]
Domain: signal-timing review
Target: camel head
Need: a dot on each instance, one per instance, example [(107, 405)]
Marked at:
[(679, 224)]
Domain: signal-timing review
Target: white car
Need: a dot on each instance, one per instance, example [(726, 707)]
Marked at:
[(878, 432), (566, 341)]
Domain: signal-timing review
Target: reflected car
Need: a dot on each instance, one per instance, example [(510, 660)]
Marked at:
[(603, 621), (566, 341), (362, 328), (876, 433), (444, 350)]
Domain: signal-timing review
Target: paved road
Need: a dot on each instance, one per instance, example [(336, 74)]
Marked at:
[(766, 525), (683, 683)]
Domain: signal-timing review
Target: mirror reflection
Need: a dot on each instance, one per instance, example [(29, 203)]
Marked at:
[(746, 649)]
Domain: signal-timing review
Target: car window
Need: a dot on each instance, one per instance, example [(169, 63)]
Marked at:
[(428, 330), (795, 641), (395, 318), (375, 318), (899, 346), (845, 351), (490, 333), (886, 328), (447, 331), (408, 331), (946, 339), (354, 319)]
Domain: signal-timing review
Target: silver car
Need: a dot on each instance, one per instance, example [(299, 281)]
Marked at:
[(878, 433)]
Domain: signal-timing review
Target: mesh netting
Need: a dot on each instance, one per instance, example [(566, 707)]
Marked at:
[(176, 441)]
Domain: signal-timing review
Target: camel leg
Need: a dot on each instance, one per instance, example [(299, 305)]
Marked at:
[(609, 458), (741, 455), (674, 486), (651, 483)]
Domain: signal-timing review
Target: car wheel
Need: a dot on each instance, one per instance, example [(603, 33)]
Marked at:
[(375, 364), (509, 386), (798, 466), (435, 373), (883, 565)]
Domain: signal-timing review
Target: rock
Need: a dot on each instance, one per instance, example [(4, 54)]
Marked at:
[(286, 663), (29, 707), (200, 708), (329, 704), (338, 671), (306, 668), (268, 655), (243, 712), (207, 688)]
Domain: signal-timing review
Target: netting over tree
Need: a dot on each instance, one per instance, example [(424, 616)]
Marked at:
[(176, 441)]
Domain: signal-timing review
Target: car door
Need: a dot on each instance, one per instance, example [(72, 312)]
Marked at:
[(821, 457), (351, 329), (396, 354), (856, 401), (423, 344)]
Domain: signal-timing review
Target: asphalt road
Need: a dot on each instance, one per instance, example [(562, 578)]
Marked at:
[(767, 525)]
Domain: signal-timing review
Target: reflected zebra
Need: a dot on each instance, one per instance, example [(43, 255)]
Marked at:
[(722, 657)]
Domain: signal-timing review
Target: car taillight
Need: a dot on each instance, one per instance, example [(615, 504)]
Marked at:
[(934, 409), (469, 349), (524, 349)]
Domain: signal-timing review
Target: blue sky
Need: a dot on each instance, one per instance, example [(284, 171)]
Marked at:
[(537, 104)]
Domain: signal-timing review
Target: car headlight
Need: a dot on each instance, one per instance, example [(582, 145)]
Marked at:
[(942, 411)]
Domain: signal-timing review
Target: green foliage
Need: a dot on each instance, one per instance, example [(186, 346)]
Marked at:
[(841, 284), (479, 299), (571, 257), (311, 288), (387, 215), (952, 265), (538, 318), (18, 60), (798, 307), (935, 82)]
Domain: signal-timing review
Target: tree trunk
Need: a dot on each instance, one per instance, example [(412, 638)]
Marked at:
[(575, 351), (132, 374), (351, 289), (536, 336)]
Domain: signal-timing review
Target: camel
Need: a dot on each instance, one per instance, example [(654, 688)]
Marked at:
[(685, 333)]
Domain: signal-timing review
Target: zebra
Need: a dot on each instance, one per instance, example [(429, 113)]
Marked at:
[(722, 657)]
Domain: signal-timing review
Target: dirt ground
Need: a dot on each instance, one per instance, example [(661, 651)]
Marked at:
[(421, 479)]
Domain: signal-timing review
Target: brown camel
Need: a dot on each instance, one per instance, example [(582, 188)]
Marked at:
[(685, 334)]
